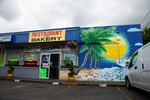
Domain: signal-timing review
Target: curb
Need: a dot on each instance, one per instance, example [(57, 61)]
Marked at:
[(80, 83)]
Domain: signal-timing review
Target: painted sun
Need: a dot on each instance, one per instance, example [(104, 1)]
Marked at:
[(116, 50)]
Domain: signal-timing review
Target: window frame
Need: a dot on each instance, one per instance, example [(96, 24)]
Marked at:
[(21, 61)]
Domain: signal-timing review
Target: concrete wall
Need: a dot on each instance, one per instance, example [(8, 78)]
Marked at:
[(63, 74), (22, 72)]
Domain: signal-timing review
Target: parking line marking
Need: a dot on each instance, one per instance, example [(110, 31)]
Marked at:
[(122, 93), (62, 90), (18, 86)]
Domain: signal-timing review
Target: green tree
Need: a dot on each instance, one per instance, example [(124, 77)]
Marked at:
[(94, 40), (146, 35)]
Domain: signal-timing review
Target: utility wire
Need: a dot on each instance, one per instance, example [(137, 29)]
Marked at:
[(148, 24), (145, 16)]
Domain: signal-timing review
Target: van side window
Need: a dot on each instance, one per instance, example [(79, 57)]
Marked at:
[(133, 60)]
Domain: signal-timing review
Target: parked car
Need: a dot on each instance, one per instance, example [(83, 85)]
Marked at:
[(138, 74)]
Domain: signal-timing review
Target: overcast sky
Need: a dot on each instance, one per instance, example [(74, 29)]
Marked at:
[(24, 15)]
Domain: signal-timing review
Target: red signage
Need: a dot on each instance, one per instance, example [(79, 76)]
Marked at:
[(30, 63)]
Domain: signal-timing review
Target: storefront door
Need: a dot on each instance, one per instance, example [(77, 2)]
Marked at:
[(49, 65), (54, 65)]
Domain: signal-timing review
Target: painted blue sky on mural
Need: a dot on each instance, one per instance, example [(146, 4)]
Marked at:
[(133, 38)]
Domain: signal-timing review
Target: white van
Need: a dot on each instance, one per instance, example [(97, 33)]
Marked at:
[(138, 74)]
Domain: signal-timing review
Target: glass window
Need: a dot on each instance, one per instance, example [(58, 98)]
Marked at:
[(31, 59), (13, 59), (69, 57), (133, 60)]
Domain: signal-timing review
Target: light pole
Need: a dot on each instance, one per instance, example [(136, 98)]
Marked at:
[(118, 43)]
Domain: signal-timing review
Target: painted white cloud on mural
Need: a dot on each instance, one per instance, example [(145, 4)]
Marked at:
[(134, 29), (138, 44)]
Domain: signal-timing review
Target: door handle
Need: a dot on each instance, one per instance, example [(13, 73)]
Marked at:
[(142, 66), (135, 67)]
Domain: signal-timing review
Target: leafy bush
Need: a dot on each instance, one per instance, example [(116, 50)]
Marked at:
[(71, 69), (10, 69)]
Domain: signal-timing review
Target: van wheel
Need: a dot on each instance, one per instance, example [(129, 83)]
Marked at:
[(128, 85)]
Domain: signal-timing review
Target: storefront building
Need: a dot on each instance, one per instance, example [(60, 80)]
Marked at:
[(99, 53)]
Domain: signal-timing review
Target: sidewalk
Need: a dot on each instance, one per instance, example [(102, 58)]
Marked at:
[(65, 82)]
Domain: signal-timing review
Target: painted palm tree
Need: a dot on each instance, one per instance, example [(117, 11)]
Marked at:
[(98, 60), (94, 40), (93, 56)]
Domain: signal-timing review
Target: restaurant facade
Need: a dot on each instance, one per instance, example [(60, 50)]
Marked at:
[(98, 53)]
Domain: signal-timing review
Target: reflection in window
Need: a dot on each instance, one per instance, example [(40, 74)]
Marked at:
[(13, 59), (133, 60), (67, 58), (30, 59)]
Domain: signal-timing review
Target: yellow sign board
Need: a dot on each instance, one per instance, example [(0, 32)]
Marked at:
[(47, 36)]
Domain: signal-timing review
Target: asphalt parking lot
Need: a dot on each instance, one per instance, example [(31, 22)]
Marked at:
[(10, 90)]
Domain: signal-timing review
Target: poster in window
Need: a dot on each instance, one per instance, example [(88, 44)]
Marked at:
[(45, 61)]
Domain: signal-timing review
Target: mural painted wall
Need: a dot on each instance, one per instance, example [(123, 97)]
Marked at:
[(103, 51)]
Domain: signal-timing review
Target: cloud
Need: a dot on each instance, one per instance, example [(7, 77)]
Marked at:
[(133, 30), (21, 15), (138, 44), (9, 10)]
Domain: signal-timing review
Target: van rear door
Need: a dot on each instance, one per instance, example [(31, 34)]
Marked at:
[(145, 67)]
